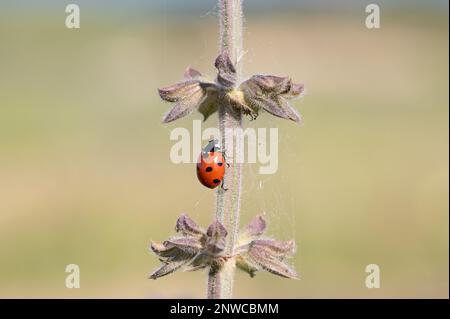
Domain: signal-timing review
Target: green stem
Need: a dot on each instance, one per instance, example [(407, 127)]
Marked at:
[(220, 283)]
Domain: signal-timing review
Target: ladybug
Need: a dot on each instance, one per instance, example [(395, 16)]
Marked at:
[(211, 165)]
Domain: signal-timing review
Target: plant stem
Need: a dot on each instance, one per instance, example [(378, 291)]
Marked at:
[(220, 283)]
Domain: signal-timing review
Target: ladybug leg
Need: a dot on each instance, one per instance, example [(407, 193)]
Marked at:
[(225, 158), (221, 186)]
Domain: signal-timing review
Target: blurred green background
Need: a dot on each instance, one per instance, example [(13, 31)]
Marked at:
[(85, 175)]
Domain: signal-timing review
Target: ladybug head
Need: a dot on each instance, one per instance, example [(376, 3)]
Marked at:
[(212, 146)]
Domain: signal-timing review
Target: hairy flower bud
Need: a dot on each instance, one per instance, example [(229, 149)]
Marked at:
[(261, 253)]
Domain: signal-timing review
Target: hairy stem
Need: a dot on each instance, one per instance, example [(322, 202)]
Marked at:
[(220, 283)]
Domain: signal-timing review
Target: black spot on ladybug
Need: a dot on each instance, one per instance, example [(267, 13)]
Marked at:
[(220, 163), (216, 181), (208, 169)]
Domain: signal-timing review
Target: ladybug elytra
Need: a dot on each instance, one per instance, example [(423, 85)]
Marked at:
[(211, 165)]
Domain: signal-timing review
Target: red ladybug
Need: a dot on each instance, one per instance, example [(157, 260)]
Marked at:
[(211, 165)]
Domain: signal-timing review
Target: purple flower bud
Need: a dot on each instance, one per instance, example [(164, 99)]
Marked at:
[(261, 253), (187, 226), (256, 227), (227, 71), (271, 93)]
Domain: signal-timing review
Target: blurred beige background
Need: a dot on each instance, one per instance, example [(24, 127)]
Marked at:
[(85, 175)]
